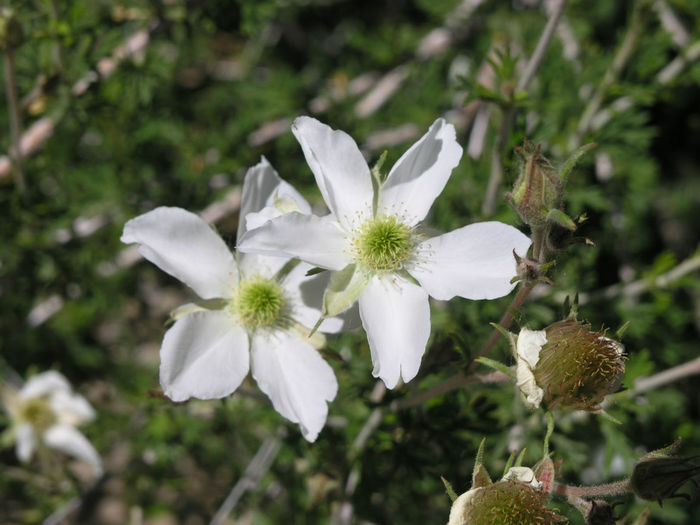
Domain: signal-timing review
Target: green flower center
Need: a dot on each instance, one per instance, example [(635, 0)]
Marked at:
[(384, 244), (37, 412), (259, 302)]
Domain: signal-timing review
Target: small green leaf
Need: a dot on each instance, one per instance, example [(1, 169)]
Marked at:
[(480, 476), (497, 365), (448, 488), (610, 418), (569, 164), (510, 337), (557, 216), (509, 464), (315, 271)]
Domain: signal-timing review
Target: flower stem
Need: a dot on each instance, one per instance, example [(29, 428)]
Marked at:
[(609, 489)]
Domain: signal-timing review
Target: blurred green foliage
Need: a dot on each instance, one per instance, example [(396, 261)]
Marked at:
[(178, 123)]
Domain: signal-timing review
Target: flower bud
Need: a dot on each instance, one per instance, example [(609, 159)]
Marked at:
[(11, 33), (538, 188), (567, 366), (658, 475), (514, 500), (600, 512)]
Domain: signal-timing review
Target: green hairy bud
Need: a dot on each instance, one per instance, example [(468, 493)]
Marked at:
[(658, 475), (568, 366), (538, 188), (518, 498)]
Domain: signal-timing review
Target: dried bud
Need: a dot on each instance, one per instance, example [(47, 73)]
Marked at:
[(538, 188), (11, 34), (567, 366), (658, 475), (600, 513), (514, 500)]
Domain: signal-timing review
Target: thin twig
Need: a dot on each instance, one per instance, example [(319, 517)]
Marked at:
[(501, 143), (541, 48), (645, 384), (15, 122), (64, 512), (254, 472), (635, 288), (620, 59), (36, 136), (344, 512)]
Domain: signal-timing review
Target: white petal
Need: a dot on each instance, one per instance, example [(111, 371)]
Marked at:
[(421, 173), (524, 475), (460, 506), (296, 378), (396, 316), (69, 440), (306, 293), (317, 240), (528, 349), (261, 188), (25, 442), (474, 262), (71, 409), (340, 169), (183, 245), (44, 384), (250, 264), (204, 355)]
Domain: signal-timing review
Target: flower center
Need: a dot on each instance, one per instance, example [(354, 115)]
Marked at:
[(384, 244), (259, 302), (38, 413)]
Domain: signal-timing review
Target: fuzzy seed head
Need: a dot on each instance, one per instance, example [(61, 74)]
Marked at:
[(259, 303), (37, 412), (383, 244), (509, 503), (577, 368)]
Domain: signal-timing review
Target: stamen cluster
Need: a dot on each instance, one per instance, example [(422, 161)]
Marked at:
[(259, 303), (37, 412), (383, 244)]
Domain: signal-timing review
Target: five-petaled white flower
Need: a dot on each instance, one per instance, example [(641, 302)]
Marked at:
[(253, 312), (46, 411), (371, 239)]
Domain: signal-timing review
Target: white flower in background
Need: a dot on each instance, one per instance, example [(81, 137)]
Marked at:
[(254, 309), (371, 239), (46, 411)]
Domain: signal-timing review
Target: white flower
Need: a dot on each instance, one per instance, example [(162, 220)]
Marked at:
[(373, 238), (528, 349), (45, 410), (253, 314)]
